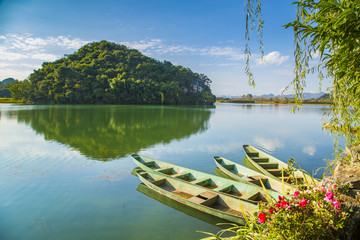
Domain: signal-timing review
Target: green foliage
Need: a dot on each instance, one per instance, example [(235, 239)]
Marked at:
[(309, 213), (108, 73), (331, 30), (253, 11)]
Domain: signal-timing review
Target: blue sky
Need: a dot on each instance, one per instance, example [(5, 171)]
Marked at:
[(205, 35)]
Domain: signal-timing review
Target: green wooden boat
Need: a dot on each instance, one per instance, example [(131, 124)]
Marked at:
[(237, 189), (211, 219), (273, 167), (240, 173), (196, 197)]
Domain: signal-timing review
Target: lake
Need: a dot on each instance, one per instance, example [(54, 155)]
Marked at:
[(66, 170)]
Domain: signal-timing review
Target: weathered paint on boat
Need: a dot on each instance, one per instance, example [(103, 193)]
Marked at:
[(240, 173), (237, 189), (217, 204), (273, 167)]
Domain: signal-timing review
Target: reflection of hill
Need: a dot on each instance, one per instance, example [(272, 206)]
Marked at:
[(108, 132)]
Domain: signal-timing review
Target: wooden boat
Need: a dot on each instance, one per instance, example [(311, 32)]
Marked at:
[(236, 189), (211, 219), (196, 197), (240, 173), (273, 167)]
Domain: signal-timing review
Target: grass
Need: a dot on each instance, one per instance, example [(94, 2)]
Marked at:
[(9, 100)]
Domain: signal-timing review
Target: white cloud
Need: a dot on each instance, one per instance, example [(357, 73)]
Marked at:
[(143, 45), (26, 42), (229, 52), (309, 150), (20, 54), (10, 56), (272, 58), (269, 144), (44, 57), (157, 46)]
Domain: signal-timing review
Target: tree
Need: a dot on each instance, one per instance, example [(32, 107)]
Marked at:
[(330, 29), (104, 72)]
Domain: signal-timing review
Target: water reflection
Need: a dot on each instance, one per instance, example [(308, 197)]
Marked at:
[(270, 144), (109, 132)]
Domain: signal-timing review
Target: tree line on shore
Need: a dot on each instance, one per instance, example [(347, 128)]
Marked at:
[(109, 73), (324, 99)]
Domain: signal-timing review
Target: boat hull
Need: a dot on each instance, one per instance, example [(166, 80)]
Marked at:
[(236, 189), (238, 172), (217, 205), (273, 167)]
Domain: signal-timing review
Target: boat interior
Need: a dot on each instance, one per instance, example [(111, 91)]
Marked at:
[(205, 198)]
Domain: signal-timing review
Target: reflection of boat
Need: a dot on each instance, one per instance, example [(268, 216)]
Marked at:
[(213, 220), (272, 167), (197, 197), (240, 173), (244, 190)]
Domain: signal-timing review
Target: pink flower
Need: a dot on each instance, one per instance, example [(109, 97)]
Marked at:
[(272, 210), (303, 203), (284, 204), (334, 186), (281, 198), (328, 197), (296, 193), (262, 217), (336, 204)]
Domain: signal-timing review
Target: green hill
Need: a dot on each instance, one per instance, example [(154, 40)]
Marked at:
[(109, 73), (4, 91)]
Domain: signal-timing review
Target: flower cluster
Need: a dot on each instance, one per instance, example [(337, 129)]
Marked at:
[(305, 210)]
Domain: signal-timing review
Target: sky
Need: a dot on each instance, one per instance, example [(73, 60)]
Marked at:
[(207, 36)]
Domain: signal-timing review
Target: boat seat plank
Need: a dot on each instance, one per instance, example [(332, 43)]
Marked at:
[(149, 163), (208, 194), (204, 198), (200, 180), (219, 189), (253, 154), (196, 200), (250, 194), (229, 166), (248, 178), (269, 165), (181, 174), (162, 169), (260, 159), (276, 172)]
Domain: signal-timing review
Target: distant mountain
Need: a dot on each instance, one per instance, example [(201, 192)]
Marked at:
[(306, 95), (270, 95), (7, 80), (4, 91), (267, 95)]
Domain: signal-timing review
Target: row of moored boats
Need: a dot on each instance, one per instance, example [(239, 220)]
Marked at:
[(225, 198)]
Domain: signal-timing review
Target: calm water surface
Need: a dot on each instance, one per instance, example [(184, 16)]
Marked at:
[(65, 170)]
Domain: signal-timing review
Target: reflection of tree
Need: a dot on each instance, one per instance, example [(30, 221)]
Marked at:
[(108, 132)]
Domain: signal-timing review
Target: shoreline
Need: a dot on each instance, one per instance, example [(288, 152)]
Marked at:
[(275, 103)]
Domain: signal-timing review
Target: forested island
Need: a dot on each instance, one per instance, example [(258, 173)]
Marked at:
[(109, 73)]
